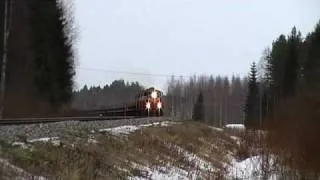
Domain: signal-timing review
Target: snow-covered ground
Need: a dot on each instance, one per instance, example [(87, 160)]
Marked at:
[(249, 168), (169, 172), (161, 173), (125, 130), (54, 140), (121, 130), (199, 163), (201, 168)]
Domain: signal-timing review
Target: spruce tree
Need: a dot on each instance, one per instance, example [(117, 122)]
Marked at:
[(1, 29), (275, 60), (52, 44), (251, 106), (311, 68), (267, 84), (198, 109), (292, 64)]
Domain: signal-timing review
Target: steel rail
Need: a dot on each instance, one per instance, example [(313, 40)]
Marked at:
[(19, 121)]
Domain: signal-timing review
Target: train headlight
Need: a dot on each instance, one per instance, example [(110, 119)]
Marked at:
[(148, 105), (154, 94), (159, 105)]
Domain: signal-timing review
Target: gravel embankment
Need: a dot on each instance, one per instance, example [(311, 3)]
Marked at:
[(13, 132)]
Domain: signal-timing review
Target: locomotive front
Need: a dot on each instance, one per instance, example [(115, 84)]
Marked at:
[(150, 102)]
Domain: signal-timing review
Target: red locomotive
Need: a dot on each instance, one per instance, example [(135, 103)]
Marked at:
[(149, 102)]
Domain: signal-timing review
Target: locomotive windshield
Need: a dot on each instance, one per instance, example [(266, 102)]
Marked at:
[(151, 93)]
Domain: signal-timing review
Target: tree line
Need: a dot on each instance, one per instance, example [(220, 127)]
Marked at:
[(291, 69), (285, 101), (217, 100), (40, 67), (96, 97)]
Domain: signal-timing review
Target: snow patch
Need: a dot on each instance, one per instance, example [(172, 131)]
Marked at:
[(172, 172), (20, 144), (234, 126), (120, 130), (200, 163), (168, 123), (249, 168), (148, 125), (54, 140), (125, 130), (216, 129), (45, 139)]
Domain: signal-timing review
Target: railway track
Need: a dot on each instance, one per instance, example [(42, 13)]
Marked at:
[(20, 121)]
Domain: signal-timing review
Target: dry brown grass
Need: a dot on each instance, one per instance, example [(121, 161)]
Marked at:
[(152, 146), (293, 136)]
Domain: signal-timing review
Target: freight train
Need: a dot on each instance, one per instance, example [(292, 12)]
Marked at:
[(148, 102)]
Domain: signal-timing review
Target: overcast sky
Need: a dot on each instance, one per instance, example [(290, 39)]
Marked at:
[(180, 37)]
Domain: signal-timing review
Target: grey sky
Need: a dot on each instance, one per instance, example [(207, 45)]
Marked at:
[(181, 37)]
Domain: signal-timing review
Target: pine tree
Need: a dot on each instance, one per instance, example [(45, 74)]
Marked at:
[(198, 109), (251, 106)]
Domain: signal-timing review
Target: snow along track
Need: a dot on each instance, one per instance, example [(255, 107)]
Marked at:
[(65, 128)]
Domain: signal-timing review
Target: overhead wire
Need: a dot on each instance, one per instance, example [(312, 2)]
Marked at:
[(132, 73)]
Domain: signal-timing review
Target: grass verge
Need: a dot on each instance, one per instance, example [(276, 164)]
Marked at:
[(190, 146)]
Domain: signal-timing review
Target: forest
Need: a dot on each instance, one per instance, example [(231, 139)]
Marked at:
[(289, 103), (118, 92), (39, 79), (223, 97), (291, 73)]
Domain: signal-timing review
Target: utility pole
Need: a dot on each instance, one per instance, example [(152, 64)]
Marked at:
[(6, 31)]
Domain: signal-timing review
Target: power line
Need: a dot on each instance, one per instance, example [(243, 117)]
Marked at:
[(147, 74), (132, 73)]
